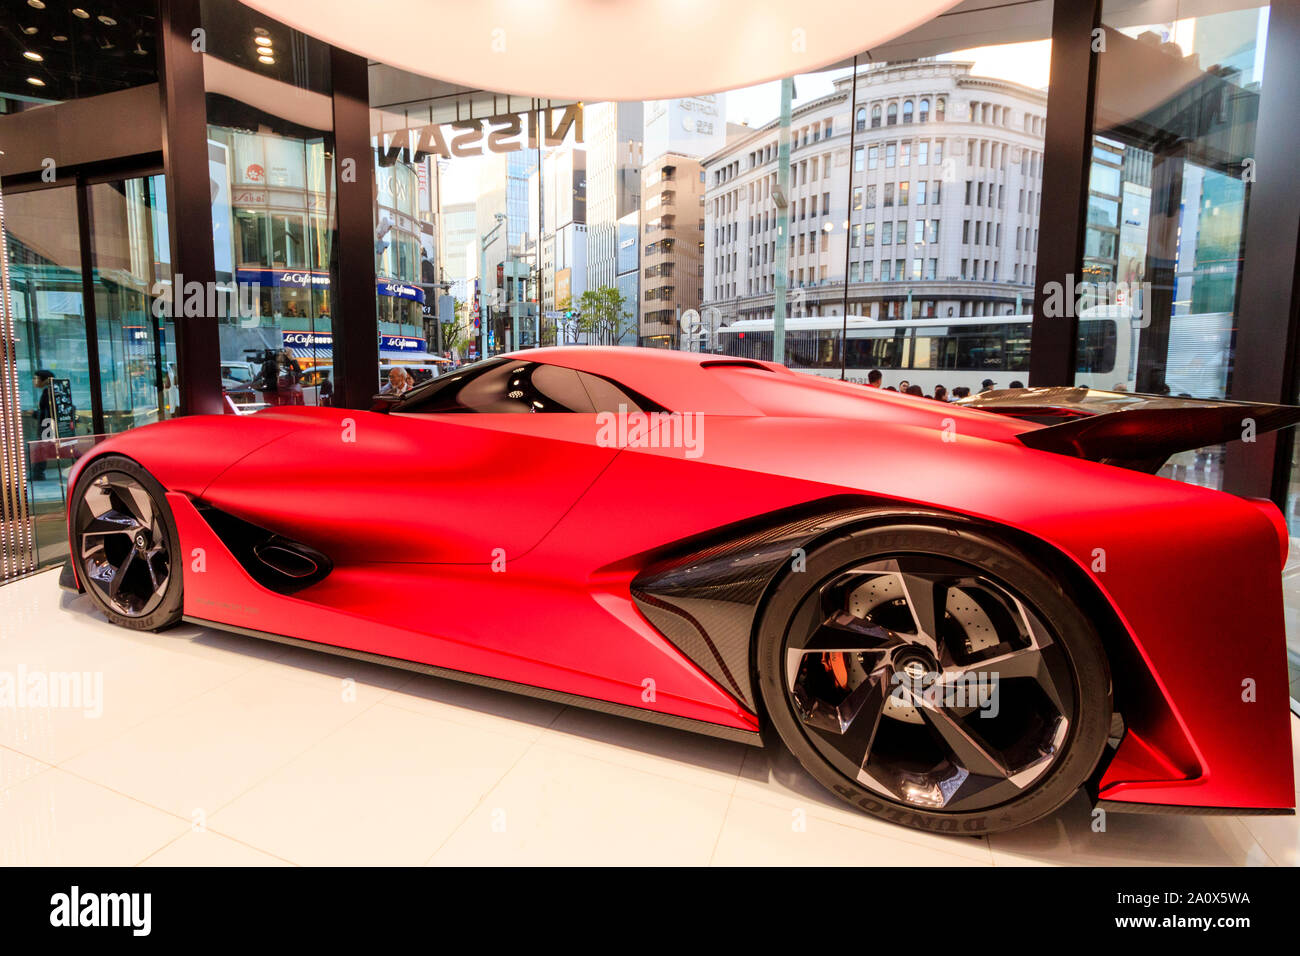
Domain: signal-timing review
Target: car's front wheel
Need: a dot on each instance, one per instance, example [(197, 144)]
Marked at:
[(934, 677), (125, 544)]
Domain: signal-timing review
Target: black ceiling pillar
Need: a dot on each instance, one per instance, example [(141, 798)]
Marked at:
[(1268, 310), (189, 200), (356, 330), (1067, 159)]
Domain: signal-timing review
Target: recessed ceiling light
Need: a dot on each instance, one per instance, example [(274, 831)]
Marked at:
[(261, 31), (33, 55), (29, 30), (267, 59), (78, 12), (59, 38), (262, 41), (107, 20), (35, 81), (36, 4)]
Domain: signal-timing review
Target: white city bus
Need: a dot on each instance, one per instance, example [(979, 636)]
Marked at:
[(938, 351)]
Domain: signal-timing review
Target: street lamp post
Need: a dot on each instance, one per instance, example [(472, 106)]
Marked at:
[(781, 196), (484, 241)]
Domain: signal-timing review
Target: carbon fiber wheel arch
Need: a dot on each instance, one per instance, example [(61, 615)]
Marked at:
[(706, 595)]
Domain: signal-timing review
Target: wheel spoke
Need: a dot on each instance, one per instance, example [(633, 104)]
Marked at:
[(968, 750), (982, 791), (1027, 662), (925, 597), (111, 522), (150, 561), (859, 719), (844, 632), (115, 582), (136, 501), (841, 633)]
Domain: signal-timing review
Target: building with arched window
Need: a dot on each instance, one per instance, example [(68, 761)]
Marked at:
[(941, 216)]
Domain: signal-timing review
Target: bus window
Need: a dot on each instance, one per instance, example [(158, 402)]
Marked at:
[(1096, 346), (1017, 347), (980, 348), (811, 349), (934, 349), (872, 348)]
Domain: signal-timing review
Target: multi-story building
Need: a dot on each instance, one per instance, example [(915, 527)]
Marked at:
[(613, 137), (678, 134), (628, 264), (563, 191), (942, 217), (457, 222), (504, 190), (672, 245)]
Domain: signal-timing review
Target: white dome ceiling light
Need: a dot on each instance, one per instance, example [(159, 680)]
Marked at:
[(605, 49)]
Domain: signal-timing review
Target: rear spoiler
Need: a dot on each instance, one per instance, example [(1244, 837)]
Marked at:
[(1132, 431)]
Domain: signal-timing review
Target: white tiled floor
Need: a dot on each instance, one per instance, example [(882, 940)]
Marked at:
[(214, 749)]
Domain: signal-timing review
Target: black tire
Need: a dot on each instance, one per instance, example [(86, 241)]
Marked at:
[(118, 536), (1067, 704)]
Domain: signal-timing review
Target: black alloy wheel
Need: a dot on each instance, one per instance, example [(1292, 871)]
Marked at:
[(935, 678), (124, 544)]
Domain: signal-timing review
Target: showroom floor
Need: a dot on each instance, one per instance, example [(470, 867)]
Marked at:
[(208, 748)]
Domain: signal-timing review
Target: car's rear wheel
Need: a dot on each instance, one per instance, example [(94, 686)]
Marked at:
[(125, 544), (936, 678)]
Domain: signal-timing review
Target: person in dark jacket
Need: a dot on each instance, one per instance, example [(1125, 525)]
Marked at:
[(46, 426), (270, 376)]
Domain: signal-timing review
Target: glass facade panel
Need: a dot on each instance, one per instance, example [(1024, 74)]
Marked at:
[(1170, 188), (271, 162), (1177, 107), (44, 247), (130, 259)]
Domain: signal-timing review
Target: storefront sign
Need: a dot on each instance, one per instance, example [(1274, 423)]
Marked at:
[(291, 278), (306, 340), (501, 134), (401, 290), (301, 279), (323, 341), (401, 343)]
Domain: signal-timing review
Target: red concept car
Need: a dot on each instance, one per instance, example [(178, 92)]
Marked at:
[(954, 616)]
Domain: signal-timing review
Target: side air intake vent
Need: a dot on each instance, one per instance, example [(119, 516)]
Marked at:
[(285, 557), (273, 561)]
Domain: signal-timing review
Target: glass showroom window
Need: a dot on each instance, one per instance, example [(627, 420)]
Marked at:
[(1168, 195), (272, 166), (42, 242), (558, 222)]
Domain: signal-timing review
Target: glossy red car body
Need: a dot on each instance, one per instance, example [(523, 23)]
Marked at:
[(504, 545)]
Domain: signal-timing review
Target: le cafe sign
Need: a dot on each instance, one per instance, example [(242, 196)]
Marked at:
[(505, 133)]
